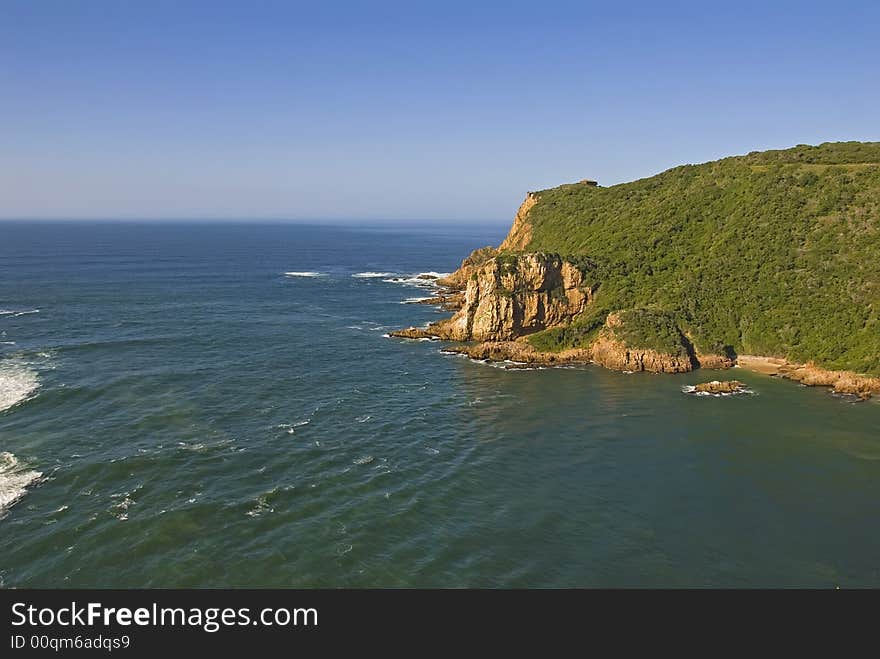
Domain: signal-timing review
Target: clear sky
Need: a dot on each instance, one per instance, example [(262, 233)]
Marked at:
[(405, 110)]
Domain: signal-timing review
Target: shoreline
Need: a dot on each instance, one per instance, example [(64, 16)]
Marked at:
[(810, 375), (452, 294), (523, 354)]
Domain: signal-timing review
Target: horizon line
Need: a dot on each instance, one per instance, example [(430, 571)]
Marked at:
[(245, 220)]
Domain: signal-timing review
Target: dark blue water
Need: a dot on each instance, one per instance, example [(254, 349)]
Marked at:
[(176, 411)]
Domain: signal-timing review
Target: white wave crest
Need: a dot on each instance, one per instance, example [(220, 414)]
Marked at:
[(14, 480), (17, 384), (305, 274), (291, 427), (692, 390), (15, 314), (372, 275), (420, 279)]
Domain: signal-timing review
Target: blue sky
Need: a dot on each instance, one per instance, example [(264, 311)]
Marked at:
[(405, 110)]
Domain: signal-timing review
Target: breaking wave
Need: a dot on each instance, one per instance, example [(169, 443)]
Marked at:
[(14, 480), (16, 314), (419, 280), (17, 384), (692, 390)]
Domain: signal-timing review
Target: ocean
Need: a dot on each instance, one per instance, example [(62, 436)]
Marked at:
[(208, 405)]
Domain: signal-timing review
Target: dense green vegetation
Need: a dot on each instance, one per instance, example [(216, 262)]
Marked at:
[(773, 253), (654, 330)]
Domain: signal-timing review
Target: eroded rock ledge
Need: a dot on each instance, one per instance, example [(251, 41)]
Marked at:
[(841, 382)]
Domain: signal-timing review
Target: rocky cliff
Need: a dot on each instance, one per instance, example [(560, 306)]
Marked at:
[(614, 349), (502, 299), (512, 296), (521, 232)]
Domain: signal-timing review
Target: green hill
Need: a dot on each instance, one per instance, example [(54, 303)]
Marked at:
[(774, 253)]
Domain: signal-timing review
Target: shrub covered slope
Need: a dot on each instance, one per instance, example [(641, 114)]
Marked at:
[(774, 253)]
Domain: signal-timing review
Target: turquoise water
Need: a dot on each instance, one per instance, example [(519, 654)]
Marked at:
[(179, 412)]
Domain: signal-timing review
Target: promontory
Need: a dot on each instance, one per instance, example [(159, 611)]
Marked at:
[(770, 260)]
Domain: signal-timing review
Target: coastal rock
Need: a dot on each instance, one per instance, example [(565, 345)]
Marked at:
[(841, 382), (715, 361), (615, 349), (616, 355), (521, 232), (446, 301), (519, 351), (716, 387), (458, 280), (413, 333), (511, 296)]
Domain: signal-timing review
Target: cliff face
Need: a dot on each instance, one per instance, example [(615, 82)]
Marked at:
[(617, 355), (511, 296), (521, 232), (615, 348)]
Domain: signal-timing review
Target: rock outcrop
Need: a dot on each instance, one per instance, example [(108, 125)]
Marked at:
[(617, 355), (446, 301), (512, 296), (616, 350), (458, 280), (715, 361), (520, 351), (716, 387), (841, 382), (521, 232), (413, 333)]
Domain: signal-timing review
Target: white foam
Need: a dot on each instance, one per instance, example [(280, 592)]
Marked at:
[(291, 427), (692, 389), (14, 480), (15, 314), (415, 300), (305, 274), (420, 279), (372, 275), (17, 384), (261, 505)]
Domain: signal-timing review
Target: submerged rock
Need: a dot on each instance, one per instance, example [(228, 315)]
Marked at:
[(447, 302)]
